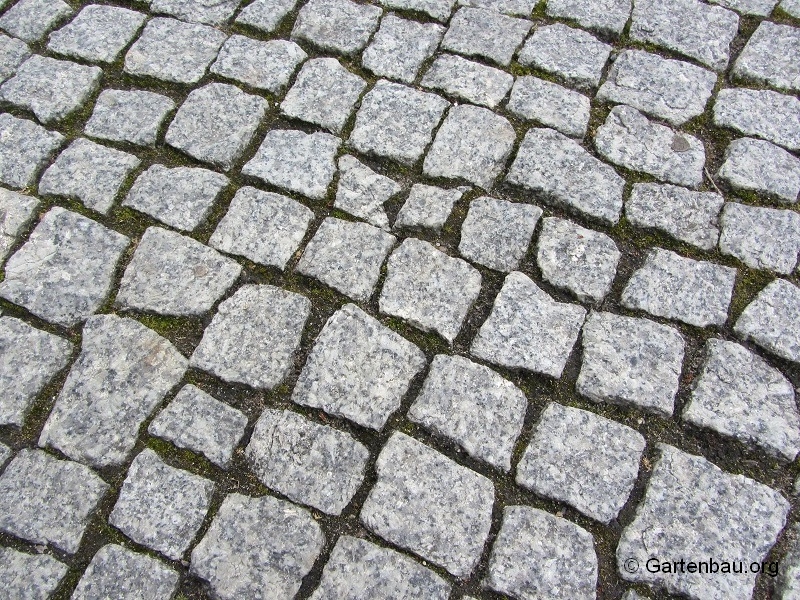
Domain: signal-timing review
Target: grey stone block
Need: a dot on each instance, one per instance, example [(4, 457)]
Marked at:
[(551, 105), (788, 584), (791, 7), (261, 65), (17, 212), (5, 454), (771, 56), (13, 53), (30, 20), (400, 46), (760, 113), (438, 9), (771, 320), (428, 207), (211, 12), (468, 80), (485, 33), (265, 15), (515, 8), (607, 16), (759, 8), (133, 116), (25, 148), (762, 238), (362, 192), (338, 26), (29, 576), (763, 167)]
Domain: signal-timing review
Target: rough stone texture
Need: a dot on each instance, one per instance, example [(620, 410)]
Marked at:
[(400, 46), (686, 215), (788, 583), (528, 330), (630, 140), (771, 320), (522, 561), (358, 369), (551, 105), (30, 20), (259, 548), (585, 460), (90, 172), (760, 113), (161, 507), (64, 271), (561, 171), (473, 406), (16, 212), (338, 26), (760, 8), (515, 8), (360, 570), (265, 15), (133, 116), (201, 423), (468, 80), (13, 53), (29, 576), (606, 16), (25, 148), (261, 65), (771, 57), (362, 192), (438, 9), (688, 27), (30, 360), (428, 207), (580, 260), (573, 55), (264, 227), (212, 12), (762, 238), (791, 7), (630, 361), (5, 453), (347, 257), (171, 274), (762, 167), (396, 122), (51, 89), (48, 501), (122, 374), (174, 51), (296, 161), (485, 33), (428, 288), (692, 504), (254, 336), (496, 233), (430, 505), (473, 144)]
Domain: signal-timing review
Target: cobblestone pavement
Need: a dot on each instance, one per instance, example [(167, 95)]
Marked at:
[(400, 299)]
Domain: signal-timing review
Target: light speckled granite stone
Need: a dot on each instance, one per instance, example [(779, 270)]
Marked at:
[(45, 500), (528, 330), (261, 65), (30, 20), (428, 207), (606, 16), (771, 57), (762, 238), (400, 46), (515, 8), (428, 288), (362, 192), (338, 26), (122, 374), (16, 212), (772, 320), (430, 505), (358, 369), (760, 113), (211, 12), (259, 548), (98, 34), (633, 595), (438, 9), (788, 583), (5, 454), (485, 33), (254, 336), (551, 105), (468, 80), (522, 562), (265, 15), (791, 7), (161, 507), (13, 53), (133, 116), (762, 167), (29, 576), (630, 361), (64, 271), (759, 8), (693, 506), (25, 148)]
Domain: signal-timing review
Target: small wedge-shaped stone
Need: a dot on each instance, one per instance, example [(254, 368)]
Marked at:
[(29, 576), (515, 8), (772, 320), (362, 192), (551, 105), (212, 12), (25, 148), (16, 212), (760, 113), (760, 8), (762, 167), (485, 33), (771, 57), (468, 80), (788, 584), (13, 53), (261, 65), (438, 9), (606, 16), (762, 238), (428, 207), (265, 15)]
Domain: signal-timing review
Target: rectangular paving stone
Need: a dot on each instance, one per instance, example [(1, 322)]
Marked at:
[(30, 576), (515, 8), (362, 192), (133, 116), (25, 148), (210, 12), (400, 47), (771, 57), (30, 20), (760, 113), (468, 80), (759, 8), (762, 167), (428, 207), (438, 9), (605, 16), (762, 238), (17, 212), (261, 65), (551, 105), (339, 26), (265, 15), (771, 320), (485, 33), (13, 53)]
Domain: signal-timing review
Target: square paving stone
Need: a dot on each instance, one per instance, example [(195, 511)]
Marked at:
[(362, 192), (133, 116), (428, 288), (116, 572), (358, 369), (762, 167), (485, 33), (180, 197), (121, 376), (30, 20), (171, 274), (324, 94), (497, 233), (296, 161), (98, 34), (468, 80), (13, 53), (347, 257), (580, 260), (428, 207), (31, 358), (771, 57), (65, 270), (264, 227), (51, 89), (400, 46), (265, 15), (261, 65), (25, 148), (760, 113), (91, 172), (211, 12), (760, 8), (216, 123), (528, 330), (551, 105), (171, 50), (473, 406), (45, 500), (522, 562), (762, 238), (254, 336), (29, 576), (428, 504), (606, 16), (438, 9), (161, 507), (309, 463), (630, 361), (17, 212), (268, 566), (338, 26), (396, 122), (583, 459), (691, 503), (771, 320)]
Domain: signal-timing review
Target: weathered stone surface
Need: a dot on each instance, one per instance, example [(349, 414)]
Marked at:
[(98, 34), (13, 53), (630, 140), (133, 116), (428, 288), (606, 16), (30, 20), (122, 374), (261, 65), (400, 46), (762, 167), (428, 207), (5, 454), (691, 503), (336, 25), (254, 336), (16, 212), (358, 369), (771, 56), (485, 33), (48, 501), (788, 584), (29, 576), (64, 271), (561, 171), (528, 330), (430, 505), (771, 320), (161, 507), (762, 238), (760, 8), (580, 260), (212, 12), (791, 7), (25, 148), (760, 113), (438, 9), (362, 192), (515, 8), (630, 361), (468, 80), (171, 274), (551, 105), (264, 227), (259, 548), (522, 562), (265, 15)]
